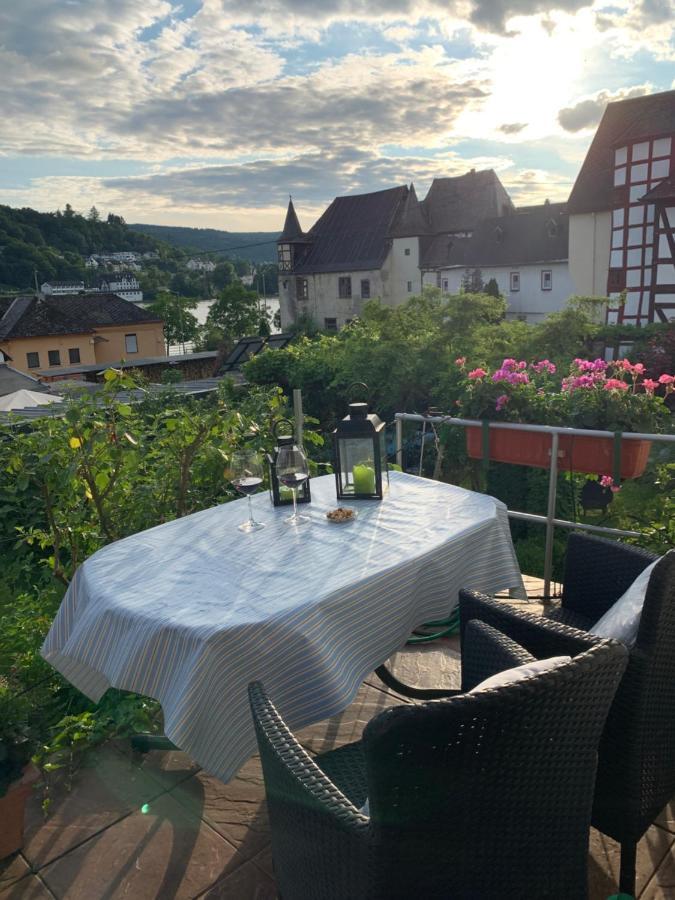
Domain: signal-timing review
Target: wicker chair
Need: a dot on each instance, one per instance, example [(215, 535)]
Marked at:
[(461, 791), (636, 770)]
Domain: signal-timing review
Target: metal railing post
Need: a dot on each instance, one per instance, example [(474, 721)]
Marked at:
[(424, 434), (399, 442), (298, 416), (550, 514)]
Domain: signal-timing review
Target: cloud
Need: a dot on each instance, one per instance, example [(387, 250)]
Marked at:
[(587, 113), (512, 127)]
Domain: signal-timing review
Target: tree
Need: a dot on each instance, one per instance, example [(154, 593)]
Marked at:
[(94, 215), (492, 288), (179, 323), (472, 282), (235, 313), (222, 275)]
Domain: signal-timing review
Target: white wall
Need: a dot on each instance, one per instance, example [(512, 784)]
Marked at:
[(400, 270), (590, 237), (323, 299), (530, 301)]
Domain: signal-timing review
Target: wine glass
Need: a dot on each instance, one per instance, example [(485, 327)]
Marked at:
[(247, 470), (293, 472)]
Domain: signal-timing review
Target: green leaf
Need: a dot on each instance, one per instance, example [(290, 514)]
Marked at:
[(102, 480), (124, 409)]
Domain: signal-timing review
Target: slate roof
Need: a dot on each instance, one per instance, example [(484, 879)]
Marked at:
[(66, 314), (292, 230), (623, 122), (352, 233), (461, 202), (535, 234), (12, 380), (410, 219)]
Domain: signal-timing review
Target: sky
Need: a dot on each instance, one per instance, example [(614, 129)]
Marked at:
[(209, 113)]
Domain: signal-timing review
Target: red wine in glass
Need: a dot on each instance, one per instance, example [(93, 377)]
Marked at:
[(247, 471), (293, 472)]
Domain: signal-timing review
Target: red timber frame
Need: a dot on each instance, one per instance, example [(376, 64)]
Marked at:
[(636, 228)]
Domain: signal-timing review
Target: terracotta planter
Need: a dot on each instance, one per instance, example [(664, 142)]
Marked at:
[(576, 453), (12, 806)]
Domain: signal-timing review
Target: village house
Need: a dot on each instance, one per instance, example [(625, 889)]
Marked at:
[(378, 245), (58, 288), (201, 265), (124, 284), (54, 332), (525, 252), (622, 212)]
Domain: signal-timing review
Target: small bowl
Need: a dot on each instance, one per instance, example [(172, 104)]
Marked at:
[(342, 520)]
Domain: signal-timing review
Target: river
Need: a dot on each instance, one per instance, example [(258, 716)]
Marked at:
[(201, 311)]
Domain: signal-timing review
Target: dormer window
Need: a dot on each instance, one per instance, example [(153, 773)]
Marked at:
[(285, 252), (499, 234), (552, 228)]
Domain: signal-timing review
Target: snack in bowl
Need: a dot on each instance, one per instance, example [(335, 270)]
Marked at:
[(341, 514)]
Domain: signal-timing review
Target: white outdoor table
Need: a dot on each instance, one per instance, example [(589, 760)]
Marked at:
[(193, 610)]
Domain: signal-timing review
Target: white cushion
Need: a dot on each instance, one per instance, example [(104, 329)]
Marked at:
[(622, 620), (510, 676)]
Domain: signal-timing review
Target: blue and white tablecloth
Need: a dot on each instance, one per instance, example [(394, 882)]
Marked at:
[(191, 611)]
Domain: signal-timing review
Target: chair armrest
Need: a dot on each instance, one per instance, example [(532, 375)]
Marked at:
[(539, 636), (486, 652), (286, 762), (407, 690), (598, 571)]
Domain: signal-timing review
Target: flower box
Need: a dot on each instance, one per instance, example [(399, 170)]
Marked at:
[(577, 453)]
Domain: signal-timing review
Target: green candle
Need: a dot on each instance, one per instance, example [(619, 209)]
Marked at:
[(364, 479)]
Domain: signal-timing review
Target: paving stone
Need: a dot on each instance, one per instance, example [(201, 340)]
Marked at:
[(603, 868), (168, 767), (12, 869), (30, 888), (104, 790), (435, 665), (236, 810), (662, 885), (349, 724), (264, 861), (161, 853), (247, 882)]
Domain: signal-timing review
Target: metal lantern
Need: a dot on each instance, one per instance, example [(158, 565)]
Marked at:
[(360, 455), (280, 495)]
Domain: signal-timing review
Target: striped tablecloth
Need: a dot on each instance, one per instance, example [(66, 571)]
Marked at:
[(191, 611)]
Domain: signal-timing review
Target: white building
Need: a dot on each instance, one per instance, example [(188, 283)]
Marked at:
[(525, 252), (124, 284), (622, 212), (201, 265), (374, 245), (57, 288)]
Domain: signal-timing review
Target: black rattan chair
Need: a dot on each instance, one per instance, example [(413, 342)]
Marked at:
[(461, 790), (636, 771)]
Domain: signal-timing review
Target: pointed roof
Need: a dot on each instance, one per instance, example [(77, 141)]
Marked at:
[(460, 202), (410, 220), (292, 230), (664, 190)]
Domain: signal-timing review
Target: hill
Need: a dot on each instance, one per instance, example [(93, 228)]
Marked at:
[(54, 245), (256, 246)]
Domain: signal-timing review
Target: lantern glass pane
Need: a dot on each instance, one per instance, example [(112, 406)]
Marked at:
[(383, 458), (357, 465)]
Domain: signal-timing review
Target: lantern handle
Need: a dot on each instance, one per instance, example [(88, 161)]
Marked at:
[(356, 384), (279, 422)]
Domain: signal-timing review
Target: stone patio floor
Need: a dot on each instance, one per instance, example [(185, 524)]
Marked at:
[(160, 828)]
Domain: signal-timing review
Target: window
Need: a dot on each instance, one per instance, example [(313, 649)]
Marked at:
[(407, 251), (302, 288), (546, 280), (130, 343), (330, 324), (33, 360), (616, 280), (438, 279), (54, 357), (74, 355), (445, 285), (410, 287), (515, 281), (365, 288), (345, 287), (285, 259)]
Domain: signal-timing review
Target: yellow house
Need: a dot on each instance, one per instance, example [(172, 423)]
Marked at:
[(56, 332)]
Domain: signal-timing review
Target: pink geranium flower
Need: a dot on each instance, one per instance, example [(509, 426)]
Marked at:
[(649, 385), (477, 373), (460, 360), (615, 384), (502, 400), (608, 482), (666, 379)]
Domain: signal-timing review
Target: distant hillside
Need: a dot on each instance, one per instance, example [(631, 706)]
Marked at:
[(53, 245), (211, 239)]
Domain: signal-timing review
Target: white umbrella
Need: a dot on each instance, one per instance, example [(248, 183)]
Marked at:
[(23, 399)]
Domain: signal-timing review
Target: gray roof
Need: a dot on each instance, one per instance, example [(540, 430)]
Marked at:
[(292, 230), (534, 234), (352, 234), (129, 364), (410, 219), (13, 380), (461, 202), (623, 122), (66, 314)]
